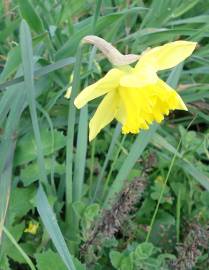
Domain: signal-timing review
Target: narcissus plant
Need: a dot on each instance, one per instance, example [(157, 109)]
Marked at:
[(136, 96)]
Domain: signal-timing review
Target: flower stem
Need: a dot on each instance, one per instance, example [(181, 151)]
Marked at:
[(165, 183)]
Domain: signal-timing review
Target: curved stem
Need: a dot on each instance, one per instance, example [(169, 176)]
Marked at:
[(22, 252)]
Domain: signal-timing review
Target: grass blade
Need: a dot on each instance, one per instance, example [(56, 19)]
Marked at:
[(7, 146), (5, 184), (80, 156), (27, 58), (29, 14), (22, 252), (41, 71), (70, 135), (53, 229)]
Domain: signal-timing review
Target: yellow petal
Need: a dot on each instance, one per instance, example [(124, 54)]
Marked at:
[(170, 96), (121, 112), (104, 114), (68, 92), (109, 82), (32, 228), (168, 55), (139, 78)]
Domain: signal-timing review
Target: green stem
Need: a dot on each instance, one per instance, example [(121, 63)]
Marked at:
[(22, 252), (113, 166), (162, 192), (107, 158), (178, 214), (70, 135), (92, 166), (164, 186)]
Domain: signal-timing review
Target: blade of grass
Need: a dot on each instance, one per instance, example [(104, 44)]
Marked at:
[(70, 136), (18, 247), (52, 227), (27, 58), (91, 166), (96, 15), (81, 149), (178, 216), (5, 185), (41, 71), (7, 147), (50, 123), (29, 14), (82, 142), (80, 157)]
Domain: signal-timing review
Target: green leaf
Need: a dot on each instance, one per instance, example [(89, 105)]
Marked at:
[(5, 184), (29, 14), (51, 225), (28, 142), (10, 251), (10, 67), (30, 173), (4, 263), (28, 72), (115, 258), (49, 260), (80, 157), (70, 136), (13, 61), (126, 263), (144, 251), (91, 211), (156, 190), (20, 202)]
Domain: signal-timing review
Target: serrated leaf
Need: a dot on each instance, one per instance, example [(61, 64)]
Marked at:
[(49, 260), (20, 202), (4, 263), (115, 258), (28, 142), (30, 173), (144, 251)]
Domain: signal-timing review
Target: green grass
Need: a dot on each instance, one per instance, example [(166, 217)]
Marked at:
[(49, 172)]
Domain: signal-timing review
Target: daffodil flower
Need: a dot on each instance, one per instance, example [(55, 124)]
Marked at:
[(136, 96)]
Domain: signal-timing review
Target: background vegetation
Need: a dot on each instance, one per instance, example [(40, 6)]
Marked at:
[(119, 202)]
